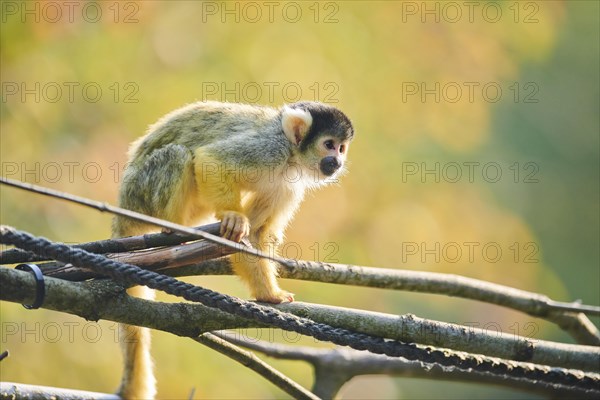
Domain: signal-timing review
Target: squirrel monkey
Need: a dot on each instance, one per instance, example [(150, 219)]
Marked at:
[(248, 166)]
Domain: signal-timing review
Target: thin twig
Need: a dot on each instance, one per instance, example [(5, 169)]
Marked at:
[(251, 361)]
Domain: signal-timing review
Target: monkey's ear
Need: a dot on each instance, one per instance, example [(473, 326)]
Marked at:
[(296, 124)]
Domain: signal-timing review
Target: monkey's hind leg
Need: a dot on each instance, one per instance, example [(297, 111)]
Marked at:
[(261, 274)]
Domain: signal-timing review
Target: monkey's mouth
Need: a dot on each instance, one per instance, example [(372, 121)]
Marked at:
[(329, 165)]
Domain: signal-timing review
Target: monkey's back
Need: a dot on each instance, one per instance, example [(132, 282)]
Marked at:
[(241, 137), (205, 123)]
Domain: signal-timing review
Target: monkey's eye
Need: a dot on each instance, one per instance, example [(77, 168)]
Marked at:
[(330, 145), (342, 148)]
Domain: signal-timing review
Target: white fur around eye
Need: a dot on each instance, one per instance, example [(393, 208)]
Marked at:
[(295, 123)]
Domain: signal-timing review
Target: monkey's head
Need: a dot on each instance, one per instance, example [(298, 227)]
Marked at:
[(320, 135)]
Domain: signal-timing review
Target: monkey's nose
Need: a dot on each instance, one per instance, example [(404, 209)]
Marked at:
[(329, 165)]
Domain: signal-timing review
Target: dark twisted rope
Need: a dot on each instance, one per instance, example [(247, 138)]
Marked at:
[(130, 274)]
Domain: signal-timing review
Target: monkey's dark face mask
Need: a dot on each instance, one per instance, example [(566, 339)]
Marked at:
[(329, 165)]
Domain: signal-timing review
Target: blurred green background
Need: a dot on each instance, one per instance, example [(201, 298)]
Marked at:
[(477, 153)]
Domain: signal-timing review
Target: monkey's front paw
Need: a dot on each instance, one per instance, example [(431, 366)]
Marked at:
[(281, 296), (234, 226)]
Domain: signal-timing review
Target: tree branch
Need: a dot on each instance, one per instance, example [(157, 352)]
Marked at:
[(334, 367), (106, 300), (251, 361), (172, 261), (519, 349), (534, 304), (117, 245), (17, 391), (531, 303)]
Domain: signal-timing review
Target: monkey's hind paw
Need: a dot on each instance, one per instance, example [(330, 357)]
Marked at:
[(289, 297), (276, 298)]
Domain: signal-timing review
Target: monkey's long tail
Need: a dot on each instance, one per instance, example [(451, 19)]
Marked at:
[(138, 376)]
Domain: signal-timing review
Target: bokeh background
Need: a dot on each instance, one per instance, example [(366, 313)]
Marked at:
[(477, 153)]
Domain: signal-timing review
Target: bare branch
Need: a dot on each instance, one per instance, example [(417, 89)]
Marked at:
[(10, 390), (172, 260), (534, 304), (157, 259), (335, 367), (531, 303), (117, 245), (106, 300), (405, 328), (434, 282), (251, 361), (410, 328), (578, 325)]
